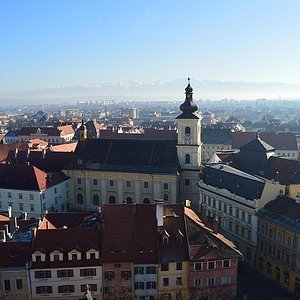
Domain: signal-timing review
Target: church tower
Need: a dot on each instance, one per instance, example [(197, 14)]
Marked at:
[(189, 146)]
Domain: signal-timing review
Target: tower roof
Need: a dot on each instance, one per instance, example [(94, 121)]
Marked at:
[(257, 145), (188, 107)]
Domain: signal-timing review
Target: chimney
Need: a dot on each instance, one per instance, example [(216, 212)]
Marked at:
[(298, 198), (215, 225), (25, 215), (16, 152), (28, 153), (9, 210), (6, 232), (187, 203), (13, 225), (159, 212), (44, 153)]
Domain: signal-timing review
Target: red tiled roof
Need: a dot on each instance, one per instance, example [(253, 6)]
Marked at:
[(66, 129), (49, 161), (68, 219), (117, 232), (64, 147), (174, 224), (27, 177), (14, 254), (81, 239), (6, 148)]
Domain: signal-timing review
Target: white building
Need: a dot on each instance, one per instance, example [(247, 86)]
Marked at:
[(26, 188), (234, 197)]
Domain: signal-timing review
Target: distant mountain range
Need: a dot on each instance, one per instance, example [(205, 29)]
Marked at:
[(158, 90)]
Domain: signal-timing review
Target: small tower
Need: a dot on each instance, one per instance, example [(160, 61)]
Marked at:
[(189, 147), (83, 131), (189, 132)]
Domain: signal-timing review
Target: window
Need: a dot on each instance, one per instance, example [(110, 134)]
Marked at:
[(55, 190), (146, 201), (166, 186), (225, 280), (96, 200), (79, 199), (139, 285), (19, 284), (197, 266), (128, 184), (138, 270), (249, 235), (65, 273), (269, 268), (179, 265), (31, 207), (270, 232), (111, 183), (214, 203), (187, 159), (74, 256), (243, 215), (66, 289), (186, 182), (220, 205), (87, 272), (211, 281), (146, 185), (230, 210), (92, 287), (9, 194), (129, 200), (43, 289), (112, 200), (287, 259), (151, 270), (197, 282), (286, 278), (166, 197), (55, 257), (108, 290), (178, 280), (249, 218), (21, 206), (95, 182), (237, 213), (187, 130), (237, 229), (226, 263), (30, 196), (7, 286), (117, 265), (211, 265), (165, 281), (151, 285), (165, 266), (109, 275), (42, 274), (20, 196), (126, 274), (79, 180)]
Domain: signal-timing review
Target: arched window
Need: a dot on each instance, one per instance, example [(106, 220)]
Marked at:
[(96, 200), (79, 199), (166, 197), (112, 200), (129, 200), (187, 159), (187, 130), (146, 201)]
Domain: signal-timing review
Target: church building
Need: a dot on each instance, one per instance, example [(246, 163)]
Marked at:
[(139, 170)]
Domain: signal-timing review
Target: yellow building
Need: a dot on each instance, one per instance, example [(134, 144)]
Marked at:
[(173, 280), (278, 250)]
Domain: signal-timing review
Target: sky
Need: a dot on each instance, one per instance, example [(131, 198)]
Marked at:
[(60, 43)]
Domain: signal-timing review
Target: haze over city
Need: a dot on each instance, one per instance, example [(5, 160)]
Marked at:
[(144, 50)]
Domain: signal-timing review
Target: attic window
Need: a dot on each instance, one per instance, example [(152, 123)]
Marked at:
[(74, 256), (165, 240)]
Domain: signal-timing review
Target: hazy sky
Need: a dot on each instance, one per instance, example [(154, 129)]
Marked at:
[(48, 43)]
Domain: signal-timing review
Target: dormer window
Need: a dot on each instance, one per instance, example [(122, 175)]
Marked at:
[(74, 254), (38, 256), (92, 254), (56, 255)]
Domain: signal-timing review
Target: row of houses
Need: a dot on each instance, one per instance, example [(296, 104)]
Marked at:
[(126, 251)]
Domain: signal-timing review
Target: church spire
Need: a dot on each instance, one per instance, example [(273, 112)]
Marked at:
[(188, 106)]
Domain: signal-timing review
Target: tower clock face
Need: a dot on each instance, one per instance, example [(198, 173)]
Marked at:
[(188, 140)]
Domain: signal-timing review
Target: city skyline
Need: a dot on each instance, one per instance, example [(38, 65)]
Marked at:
[(56, 44)]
